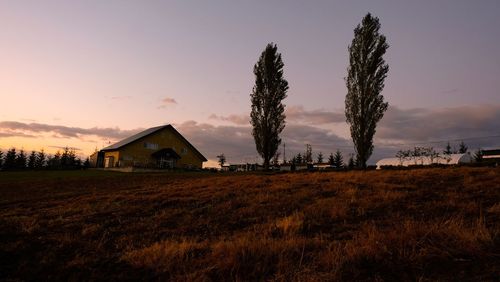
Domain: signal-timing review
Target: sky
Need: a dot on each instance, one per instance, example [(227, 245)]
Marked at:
[(85, 74)]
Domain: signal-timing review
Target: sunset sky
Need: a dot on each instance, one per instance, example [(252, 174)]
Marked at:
[(86, 73)]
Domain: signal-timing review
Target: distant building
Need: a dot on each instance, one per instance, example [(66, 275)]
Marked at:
[(157, 147), (447, 160), (491, 155), (245, 167), (322, 166)]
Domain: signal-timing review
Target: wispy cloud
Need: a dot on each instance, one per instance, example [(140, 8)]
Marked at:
[(120, 97), (167, 101), (294, 114), (242, 119), (10, 133), (20, 129), (315, 117)]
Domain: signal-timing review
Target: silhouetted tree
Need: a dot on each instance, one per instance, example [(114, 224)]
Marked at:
[(86, 164), (54, 162), (478, 156), (32, 160), (338, 160), (268, 111), (10, 159), (463, 148), (221, 159), (320, 158), (1, 159), (447, 153), (402, 155), (416, 154), (432, 154), (299, 159), (40, 160), (293, 163), (364, 105), (68, 158), (447, 150), (331, 160), (352, 163), (21, 160), (78, 163)]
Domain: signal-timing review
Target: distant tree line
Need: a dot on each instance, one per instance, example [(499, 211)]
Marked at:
[(334, 160), (39, 160)]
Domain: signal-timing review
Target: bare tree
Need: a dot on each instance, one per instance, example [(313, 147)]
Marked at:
[(221, 159)]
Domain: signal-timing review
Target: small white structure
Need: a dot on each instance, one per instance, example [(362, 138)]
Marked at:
[(451, 159), (322, 166)]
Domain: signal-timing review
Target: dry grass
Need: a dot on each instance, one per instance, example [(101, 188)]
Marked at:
[(426, 224)]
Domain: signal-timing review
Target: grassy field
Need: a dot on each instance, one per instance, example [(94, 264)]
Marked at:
[(425, 224)]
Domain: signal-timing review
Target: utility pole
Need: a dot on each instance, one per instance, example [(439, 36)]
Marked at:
[(308, 153)]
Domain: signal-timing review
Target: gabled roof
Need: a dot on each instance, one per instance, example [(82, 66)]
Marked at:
[(133, 138), (148, 132)]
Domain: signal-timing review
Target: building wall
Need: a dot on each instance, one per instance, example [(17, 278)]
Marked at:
[(136, 154)]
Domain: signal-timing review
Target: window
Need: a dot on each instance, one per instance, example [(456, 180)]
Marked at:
[(184, 151), (150, 146)]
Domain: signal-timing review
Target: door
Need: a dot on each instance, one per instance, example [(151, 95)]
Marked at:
[(108, 162)]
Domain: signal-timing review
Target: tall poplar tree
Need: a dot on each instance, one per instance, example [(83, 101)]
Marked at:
[(364, 105), (268, 111)]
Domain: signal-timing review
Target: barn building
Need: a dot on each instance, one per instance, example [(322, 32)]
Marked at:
[(156, 147), (451, 159)]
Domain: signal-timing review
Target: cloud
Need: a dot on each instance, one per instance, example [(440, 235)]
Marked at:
[(120, 97), (9, 133), (166, 102), (294, 114), (399, 129), (313, 117), (453, 123), (20, 129), (243, 119)]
